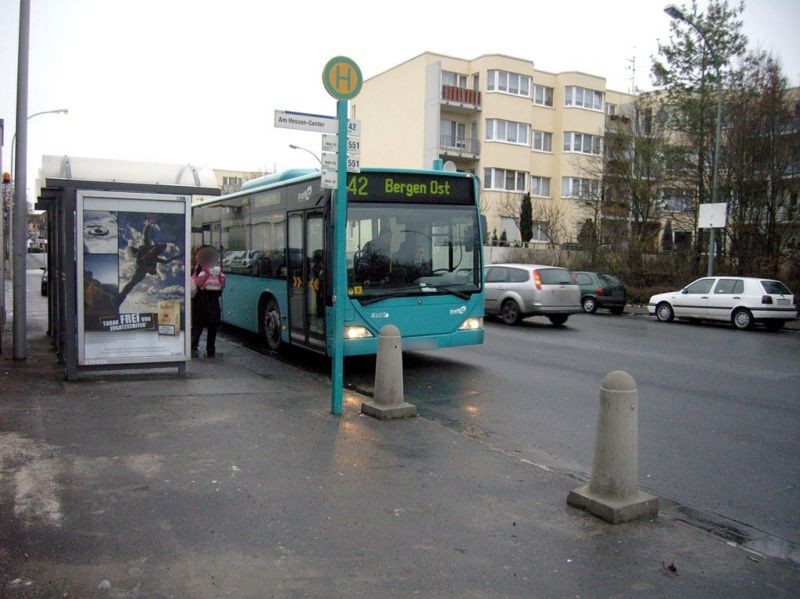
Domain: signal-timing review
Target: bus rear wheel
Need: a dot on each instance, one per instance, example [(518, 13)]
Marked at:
[(271, 324)]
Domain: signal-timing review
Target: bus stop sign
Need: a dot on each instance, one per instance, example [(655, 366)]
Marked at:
[(342, 78)]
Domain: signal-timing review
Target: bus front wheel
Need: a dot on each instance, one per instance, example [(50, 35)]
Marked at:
[(271, 324)]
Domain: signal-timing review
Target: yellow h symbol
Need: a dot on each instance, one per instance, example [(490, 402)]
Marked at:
[(343, 83)]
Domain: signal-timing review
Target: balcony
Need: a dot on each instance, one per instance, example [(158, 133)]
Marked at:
[(461, 98), (459, 147)]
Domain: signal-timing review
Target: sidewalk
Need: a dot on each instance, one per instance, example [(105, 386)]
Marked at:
[(235, 481)]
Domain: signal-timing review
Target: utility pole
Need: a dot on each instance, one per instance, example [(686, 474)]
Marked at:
[(20, 187), (4, 189)]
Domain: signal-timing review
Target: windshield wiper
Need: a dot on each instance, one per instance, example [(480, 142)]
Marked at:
[(416, 291), (462, 294), (376, 298)]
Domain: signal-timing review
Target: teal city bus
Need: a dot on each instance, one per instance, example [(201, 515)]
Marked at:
[(413, 258)]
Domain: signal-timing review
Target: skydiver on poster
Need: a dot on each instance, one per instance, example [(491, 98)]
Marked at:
[(148, 257)]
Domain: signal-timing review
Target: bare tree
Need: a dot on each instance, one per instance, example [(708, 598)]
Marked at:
[(761, 142), (641, 163), (552, 216), (509, 206)]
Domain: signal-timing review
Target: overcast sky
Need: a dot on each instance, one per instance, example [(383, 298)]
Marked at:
[(196, 81)]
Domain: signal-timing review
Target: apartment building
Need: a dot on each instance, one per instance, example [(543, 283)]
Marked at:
[(518, 128), (230, 181)]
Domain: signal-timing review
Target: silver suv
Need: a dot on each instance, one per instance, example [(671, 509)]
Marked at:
[(516, 291)]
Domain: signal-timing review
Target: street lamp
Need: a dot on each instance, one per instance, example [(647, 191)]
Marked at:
[(296, 147), (14, 137), (676, 13), (19, 208)]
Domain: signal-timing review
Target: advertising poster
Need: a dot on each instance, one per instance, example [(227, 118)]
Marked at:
[(132, 278)]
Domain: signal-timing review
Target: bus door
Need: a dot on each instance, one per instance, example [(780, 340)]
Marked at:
[(307, 278)]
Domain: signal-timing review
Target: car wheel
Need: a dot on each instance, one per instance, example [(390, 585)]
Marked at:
[(509, 312), (664, 312), (558, 319), (617, 311), (774, 325), (742, 319), (44, 290), (271, 325), (589, 304)]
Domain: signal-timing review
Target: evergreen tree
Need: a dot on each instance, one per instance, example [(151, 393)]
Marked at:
[(687, 71), (526, 218), (666, 237)]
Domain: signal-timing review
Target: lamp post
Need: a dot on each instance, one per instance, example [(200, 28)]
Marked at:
[(20, 209), (14, 137), (20, 349), (676, 13), (296, 147)]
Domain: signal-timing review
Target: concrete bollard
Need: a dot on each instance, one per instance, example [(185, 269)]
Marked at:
[(613, 493), (388, 402)]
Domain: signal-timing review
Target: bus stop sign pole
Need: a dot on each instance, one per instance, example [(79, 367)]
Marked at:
[(342, 79)]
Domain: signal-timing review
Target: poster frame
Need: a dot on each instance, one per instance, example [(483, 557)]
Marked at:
[(184, 201)]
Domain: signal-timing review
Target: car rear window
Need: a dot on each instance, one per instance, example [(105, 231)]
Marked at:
[(556, 276), (609, 280), (775, 287)]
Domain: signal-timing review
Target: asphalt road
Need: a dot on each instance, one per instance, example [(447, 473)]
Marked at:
[(719, 408)]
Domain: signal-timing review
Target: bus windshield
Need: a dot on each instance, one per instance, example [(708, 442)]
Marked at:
[(412, 249)]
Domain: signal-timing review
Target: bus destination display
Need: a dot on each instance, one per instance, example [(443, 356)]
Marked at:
[(407, 187)]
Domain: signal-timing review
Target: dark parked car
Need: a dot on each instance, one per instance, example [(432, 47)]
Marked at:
[(601, 290), (44, 280)]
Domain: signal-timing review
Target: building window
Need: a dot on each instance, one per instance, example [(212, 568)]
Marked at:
[(577, 187), (540, 186), (677, 200), (503, 180), (583, 98), (509, 83), (540, 232), (582, 143), (507, 131), (542, 141), (611, 109), (543, 96), (231, 184), (454, 79)]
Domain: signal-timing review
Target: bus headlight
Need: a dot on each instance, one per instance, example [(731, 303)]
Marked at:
[(356, 332), (471, 324)]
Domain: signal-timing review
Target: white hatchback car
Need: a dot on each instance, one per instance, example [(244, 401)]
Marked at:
[(742, 301)]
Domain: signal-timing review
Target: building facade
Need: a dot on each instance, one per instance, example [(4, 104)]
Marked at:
[(519, 129), (230, 181)]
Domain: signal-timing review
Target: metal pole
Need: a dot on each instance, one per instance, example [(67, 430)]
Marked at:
[(3, 190), (340, 262), (20, 207), (715, 174), (13, 145)]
